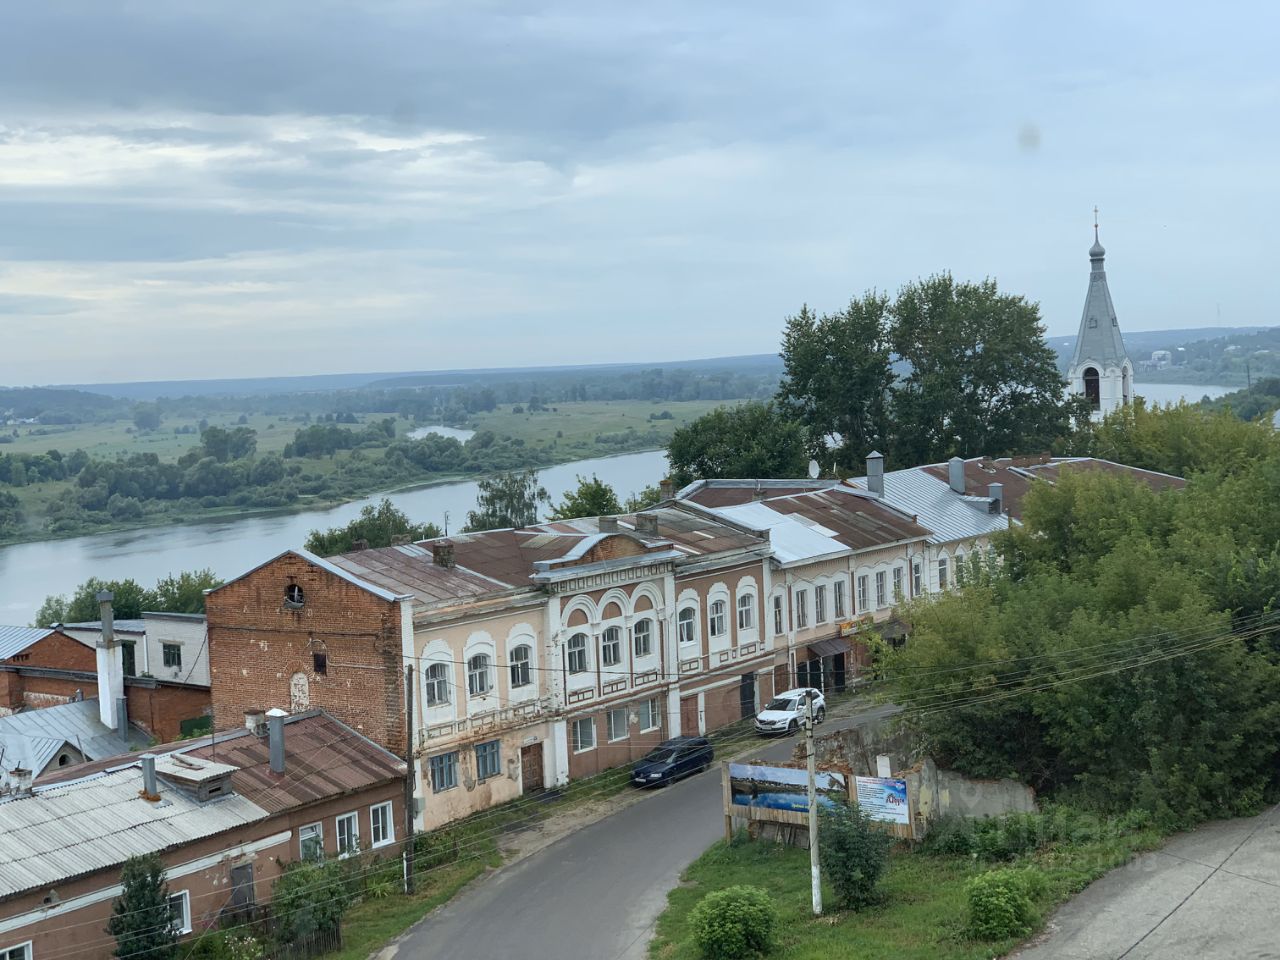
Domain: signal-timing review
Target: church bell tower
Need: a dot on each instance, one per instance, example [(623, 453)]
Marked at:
[(1100, 368)]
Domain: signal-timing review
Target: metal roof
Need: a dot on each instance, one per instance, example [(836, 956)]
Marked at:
[(410, 570), (117, 626), (729, 492), (947, 515), (1099, 338), (792, 540), (856, 520), (16, 639), (76, 723)]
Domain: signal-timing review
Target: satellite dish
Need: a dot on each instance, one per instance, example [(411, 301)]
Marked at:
[(813, 469)]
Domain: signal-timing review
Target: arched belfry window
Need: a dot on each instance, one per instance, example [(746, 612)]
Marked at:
[(1091, 387)]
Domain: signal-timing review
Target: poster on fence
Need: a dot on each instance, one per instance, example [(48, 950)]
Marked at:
[(782, 788), (883, 798)]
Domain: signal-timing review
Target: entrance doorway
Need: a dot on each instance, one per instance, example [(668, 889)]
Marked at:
[(531, 768), (747, 695)]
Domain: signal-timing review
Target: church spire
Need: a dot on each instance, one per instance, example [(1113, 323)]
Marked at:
[(1100, 367)]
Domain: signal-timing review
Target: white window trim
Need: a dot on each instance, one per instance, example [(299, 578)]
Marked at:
[(185, 926), (819, 606), (391, 826), (801, 600), (354, 817), (573, 736), (749, 608), (693, 626), (779, 611), (618, 644), (839, 599), (585, 650), (626, 724), (655, 714), (25, 946), (634, 651), (319, 827)]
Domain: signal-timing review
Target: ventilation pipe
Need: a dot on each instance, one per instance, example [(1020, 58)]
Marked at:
[(275, 739), (150, 787), (255, 721), (955, 471), (20, 777), (608, 524), (996, 492), (647, 523), (875, 473)]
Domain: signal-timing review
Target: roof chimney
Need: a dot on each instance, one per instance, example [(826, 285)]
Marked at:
[(150, 787), (955, 471), (359, 545), (255, 721), (875, 473), (442, 553), (608, 524), (647, 523), (758, 494), (666, 488), (996, 492), (110, 667), (275, 739), (122, 716), (20, 777)]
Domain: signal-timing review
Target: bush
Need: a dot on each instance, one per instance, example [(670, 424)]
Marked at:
[(950, 836), (733, 923), (1000, 903), (853, 854)]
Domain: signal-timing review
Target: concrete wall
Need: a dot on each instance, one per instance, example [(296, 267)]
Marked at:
[(941, 793)]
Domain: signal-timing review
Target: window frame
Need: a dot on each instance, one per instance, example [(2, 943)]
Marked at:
[(389, 811), (882, 589), (653, 706), (864, 593), (717, 615), (181, 925), (10, 952), (440, 681), (171, 648), (484, 672), (897, 584), (917, 578), (820, 603), (519, 666), (443, 762), (647, 623), (611, 646), (576, 741), (318, 827), (608, 724), (746, 606), (839, 598), (779, 615), (353, 817), (942, 573), (494, 770), (802, 609), (576, 649), (691, 621)]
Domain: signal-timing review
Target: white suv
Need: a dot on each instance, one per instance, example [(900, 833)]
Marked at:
[(785, 713)]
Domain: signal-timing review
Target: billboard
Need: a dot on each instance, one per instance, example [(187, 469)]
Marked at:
[(762, 787), (883, 798)]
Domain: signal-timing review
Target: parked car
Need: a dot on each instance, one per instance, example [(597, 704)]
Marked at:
[(785, 713), (671, 760)]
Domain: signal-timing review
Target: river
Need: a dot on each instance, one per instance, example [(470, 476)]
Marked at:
[(31, 571)]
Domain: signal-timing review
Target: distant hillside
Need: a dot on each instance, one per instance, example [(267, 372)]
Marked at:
[(1201, 355)]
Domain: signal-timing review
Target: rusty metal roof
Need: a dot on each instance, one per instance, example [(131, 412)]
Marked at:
[(409, 569), (858, 522), (728, 493)]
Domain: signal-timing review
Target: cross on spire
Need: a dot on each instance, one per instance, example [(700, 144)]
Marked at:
[(1095, 223)]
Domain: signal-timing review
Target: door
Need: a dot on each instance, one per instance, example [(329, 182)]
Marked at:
[(747, 695), (242, 897), (689, 716), (838, 667), (531, 767)]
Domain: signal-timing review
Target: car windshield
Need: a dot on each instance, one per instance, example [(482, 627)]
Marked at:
[(661, 755), (782, 703)]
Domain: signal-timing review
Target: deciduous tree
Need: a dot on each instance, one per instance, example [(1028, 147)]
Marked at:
[(378, 526), (141, 920), (751, 440), (507, 500), (592, 498)]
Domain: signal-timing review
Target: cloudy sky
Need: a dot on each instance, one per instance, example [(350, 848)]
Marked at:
[(279, 187)]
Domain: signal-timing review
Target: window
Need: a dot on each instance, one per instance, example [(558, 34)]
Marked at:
[(478, 679), (959, 575), (520, 666), (685, 625), (820, 604), (172, 655), (802, 609), (864, 598), (488, 759), (917, 578), (716, 618), (578, 653), (381, 824), (348, 834), (437, 682), (611, 646), (881, 592), (444, 772), (942, 573), (747, 611), (21, 952), (897, 584), (311, 841), (616, 723), (650, 715), (642, 637), (129, 659), (584, 735), (293, 596), (779, 621), (320, 664), (839, 591), (179, 911)]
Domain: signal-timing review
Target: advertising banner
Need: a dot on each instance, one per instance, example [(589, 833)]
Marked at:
[(883, 798), (782, 788)]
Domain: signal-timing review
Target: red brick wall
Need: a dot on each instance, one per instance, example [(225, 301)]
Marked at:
[(256, 645), (59, 651), (160, 710), (621, 752)]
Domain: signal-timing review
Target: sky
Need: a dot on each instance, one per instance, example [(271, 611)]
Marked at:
[(303, 186)]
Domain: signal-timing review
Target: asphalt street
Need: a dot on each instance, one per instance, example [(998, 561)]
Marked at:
[(595, 893)]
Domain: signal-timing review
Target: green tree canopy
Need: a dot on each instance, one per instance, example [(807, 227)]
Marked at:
[(10, 514), (378, 526), (592, 498), (507, 500), (141, 920), (751, 440), (645, 498), (180, 593)]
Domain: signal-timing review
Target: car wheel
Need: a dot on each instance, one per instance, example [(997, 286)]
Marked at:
[(793, 726), (822, 714)]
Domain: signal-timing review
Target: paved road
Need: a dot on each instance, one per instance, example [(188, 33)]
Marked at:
[(594, 894), (1212, 894)]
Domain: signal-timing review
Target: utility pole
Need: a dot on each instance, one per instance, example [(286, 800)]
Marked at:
[(408, 780), (814, 871)]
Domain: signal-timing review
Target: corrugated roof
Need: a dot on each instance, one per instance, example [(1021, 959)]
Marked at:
[(857, 521), (76, 723), (947, 516), (410, 570), (726, 492), (16, 639), (791, 540)]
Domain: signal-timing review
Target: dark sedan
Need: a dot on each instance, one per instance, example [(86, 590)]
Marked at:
[(671, 760)]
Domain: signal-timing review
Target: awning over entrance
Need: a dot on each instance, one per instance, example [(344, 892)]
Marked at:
[(827, 648)]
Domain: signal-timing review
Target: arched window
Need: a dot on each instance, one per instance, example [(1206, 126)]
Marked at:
[(611, 646), (686, 625), (437, 681), (747, 611), (578, 653), (520, 666), (716, 618), (642, 637), (479, 680), (1092, 391)]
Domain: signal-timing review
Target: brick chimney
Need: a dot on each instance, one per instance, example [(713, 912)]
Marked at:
[(647, 523), (359, 545), (608, 524), (442, 553), (110, 666), (666, 488)]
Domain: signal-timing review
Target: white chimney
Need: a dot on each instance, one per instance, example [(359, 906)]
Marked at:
[(110, 666), (21, 780), (875, 473), (996, 492), (955, 471)]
